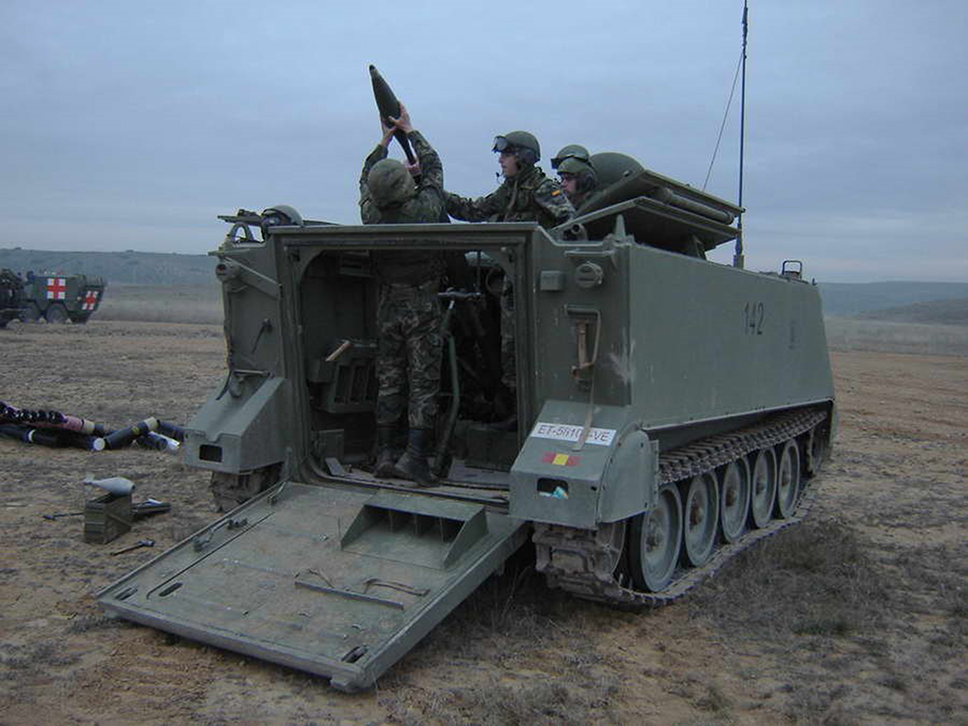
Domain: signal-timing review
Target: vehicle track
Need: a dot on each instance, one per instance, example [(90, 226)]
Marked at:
[(585, 562)]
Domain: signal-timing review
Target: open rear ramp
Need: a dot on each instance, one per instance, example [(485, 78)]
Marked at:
[(337, 582)]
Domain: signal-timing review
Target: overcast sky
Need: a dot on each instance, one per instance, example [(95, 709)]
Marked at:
[(131, 125)]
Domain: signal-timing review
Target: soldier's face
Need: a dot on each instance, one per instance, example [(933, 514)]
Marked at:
[(569, 184), (509, 164)]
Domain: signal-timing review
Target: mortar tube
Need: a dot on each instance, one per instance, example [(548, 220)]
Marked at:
[(172, 431), (122, 437), (31, 435), (159, 442), (82, 425), (83, 441)]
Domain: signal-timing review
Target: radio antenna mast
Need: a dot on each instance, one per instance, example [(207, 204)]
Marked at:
[(738, 254)]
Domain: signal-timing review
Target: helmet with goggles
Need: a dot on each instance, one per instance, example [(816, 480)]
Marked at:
[(572, 151), (522, 144)]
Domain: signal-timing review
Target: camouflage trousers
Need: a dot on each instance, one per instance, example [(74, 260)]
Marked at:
[(408, 355)]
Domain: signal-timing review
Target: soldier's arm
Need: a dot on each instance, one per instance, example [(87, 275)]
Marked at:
[(368, 210), (552, 199), (431, 190), (431, 169), (474, 210)]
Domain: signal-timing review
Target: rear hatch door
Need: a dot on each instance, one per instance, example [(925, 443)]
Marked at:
[(333, 581)]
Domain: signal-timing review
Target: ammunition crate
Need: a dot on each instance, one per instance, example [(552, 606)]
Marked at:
[(107, 518)]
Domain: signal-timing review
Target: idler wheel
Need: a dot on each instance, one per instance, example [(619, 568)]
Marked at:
[(655, 538), (701, 518), (817, 451)]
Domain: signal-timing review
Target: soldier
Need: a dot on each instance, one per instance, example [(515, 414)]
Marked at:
[(526, 195), (577, 173), (408, 314)]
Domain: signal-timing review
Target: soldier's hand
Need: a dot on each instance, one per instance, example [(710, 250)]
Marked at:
[(388, 131), (403, 123), (413, 168)]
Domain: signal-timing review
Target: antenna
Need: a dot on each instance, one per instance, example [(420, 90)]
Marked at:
[(738, 254)]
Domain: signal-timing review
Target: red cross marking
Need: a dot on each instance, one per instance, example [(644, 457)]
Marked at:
[(90, 300), (56, 288)]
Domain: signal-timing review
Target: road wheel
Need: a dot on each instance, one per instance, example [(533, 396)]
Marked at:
[(655, 538), (763, 487), (700, 518), (31, 313), (734, 498), (788, 479), (56, 314)]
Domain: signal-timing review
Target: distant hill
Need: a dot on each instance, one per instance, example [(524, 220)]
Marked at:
[(119, 268), (935, 312), (848, 299), (880, 300)]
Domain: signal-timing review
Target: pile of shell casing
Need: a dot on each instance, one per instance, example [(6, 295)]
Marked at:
[(53, 428)]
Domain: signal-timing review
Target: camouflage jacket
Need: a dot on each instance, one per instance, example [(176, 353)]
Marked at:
[(426, 206), (411, 267), (528, 196)]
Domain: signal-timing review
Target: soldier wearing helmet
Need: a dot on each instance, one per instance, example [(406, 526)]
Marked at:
[(526, 195), (577, 173), (408, 313)]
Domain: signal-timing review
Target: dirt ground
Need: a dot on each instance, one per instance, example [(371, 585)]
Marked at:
[(858, 615)]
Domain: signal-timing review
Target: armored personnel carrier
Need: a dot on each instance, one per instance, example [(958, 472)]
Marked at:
[(670, 411), (11, 296), (58, 298)]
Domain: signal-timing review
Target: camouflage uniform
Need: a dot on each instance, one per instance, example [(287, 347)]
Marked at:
[(409, 313), (528, 196)]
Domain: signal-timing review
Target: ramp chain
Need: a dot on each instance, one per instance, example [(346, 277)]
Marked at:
[(583, 561)]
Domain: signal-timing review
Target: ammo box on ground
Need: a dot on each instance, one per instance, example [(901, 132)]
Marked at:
[(107, 518)]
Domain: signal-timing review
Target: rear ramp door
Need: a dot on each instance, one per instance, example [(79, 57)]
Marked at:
[(335, 582)]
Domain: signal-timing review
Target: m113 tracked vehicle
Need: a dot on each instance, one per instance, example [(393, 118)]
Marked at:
[(669, 409)]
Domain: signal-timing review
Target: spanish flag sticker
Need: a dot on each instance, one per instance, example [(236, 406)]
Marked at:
[(550, 457)]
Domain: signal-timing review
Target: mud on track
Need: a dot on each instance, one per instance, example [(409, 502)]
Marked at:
[(858, 616)]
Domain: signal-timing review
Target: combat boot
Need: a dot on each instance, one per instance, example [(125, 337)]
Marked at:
[(413, 464), (387, 452)]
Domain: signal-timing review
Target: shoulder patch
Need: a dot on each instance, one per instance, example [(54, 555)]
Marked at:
[(556, 192)]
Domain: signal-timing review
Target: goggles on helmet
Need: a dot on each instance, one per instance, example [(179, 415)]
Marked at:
[(583, 157), (501, 144), (273, 220)]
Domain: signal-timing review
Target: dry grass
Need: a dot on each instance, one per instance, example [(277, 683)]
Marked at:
[(815, 579), (824, 593), (503, 628), (881, 336), (161, 304)]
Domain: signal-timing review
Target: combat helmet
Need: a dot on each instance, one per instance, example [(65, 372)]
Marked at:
[(522, 144), (281, 214), (574, 159), (572, 151), (389, 183)]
